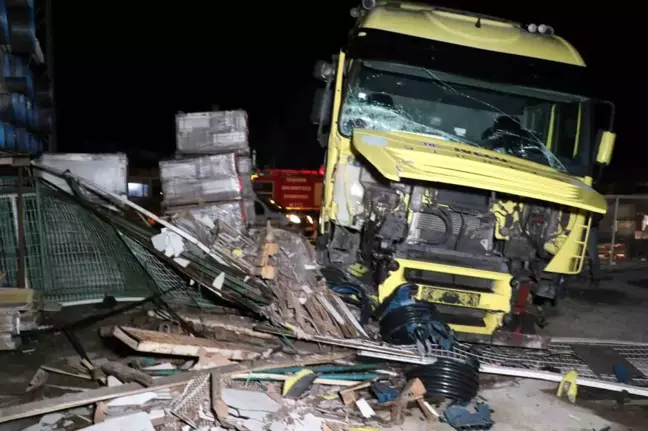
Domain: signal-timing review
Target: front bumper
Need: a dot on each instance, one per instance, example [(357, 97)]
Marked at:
[(471, 300)]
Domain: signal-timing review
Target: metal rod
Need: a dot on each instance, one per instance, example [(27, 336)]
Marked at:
[(46, 276), (20, 204), (614, 229)]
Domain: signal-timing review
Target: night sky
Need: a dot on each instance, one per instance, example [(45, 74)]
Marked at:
[(122, 72)]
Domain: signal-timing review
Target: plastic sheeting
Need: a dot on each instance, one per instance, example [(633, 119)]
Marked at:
[(236, 214), (212, 132), (217, 166), (204, 179)]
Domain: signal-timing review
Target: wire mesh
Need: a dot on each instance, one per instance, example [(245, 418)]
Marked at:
[(33, 256), (167, 280), (70, 254), (559, 358), (88, 259)]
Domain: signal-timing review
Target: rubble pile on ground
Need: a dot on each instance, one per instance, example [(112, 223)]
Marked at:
[(255, 379), (175, 381)]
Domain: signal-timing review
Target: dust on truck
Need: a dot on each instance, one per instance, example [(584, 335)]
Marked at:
[(460, 155)]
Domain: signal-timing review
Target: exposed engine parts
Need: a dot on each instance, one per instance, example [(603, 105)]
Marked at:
[(441, 223), (459, 220)]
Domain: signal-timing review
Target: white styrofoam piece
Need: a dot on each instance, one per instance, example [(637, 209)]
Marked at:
[(108, 171)]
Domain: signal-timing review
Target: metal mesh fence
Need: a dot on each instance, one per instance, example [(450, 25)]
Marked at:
[(166, 279), (34, 256), (87, 258), (72, 255)]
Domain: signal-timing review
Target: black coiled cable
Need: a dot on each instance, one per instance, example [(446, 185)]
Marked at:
[(408, 324), (452, 378)]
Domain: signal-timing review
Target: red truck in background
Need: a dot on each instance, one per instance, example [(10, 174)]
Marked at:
[(297, 192)]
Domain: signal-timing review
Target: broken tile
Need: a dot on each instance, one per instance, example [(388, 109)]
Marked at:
[(248, 400)]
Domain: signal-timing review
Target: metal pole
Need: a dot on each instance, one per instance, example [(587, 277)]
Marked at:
[(614, 229), (21, 277), (49, 46)]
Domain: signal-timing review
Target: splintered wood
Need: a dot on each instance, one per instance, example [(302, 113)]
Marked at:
[(414, 390), (182, 345), (303, 299), (269, 248)]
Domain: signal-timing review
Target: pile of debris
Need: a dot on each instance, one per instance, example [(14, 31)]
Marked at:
[(173, 379)]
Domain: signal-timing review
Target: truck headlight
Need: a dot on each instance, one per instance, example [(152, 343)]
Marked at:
[(309, 219), (293, 218)]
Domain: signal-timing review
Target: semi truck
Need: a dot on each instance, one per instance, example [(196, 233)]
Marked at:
[(460, 154)]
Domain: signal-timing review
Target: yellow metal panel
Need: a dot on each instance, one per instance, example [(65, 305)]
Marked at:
[(496, 303), (570, 257), (454, 27), (328, 208), (399, 155)]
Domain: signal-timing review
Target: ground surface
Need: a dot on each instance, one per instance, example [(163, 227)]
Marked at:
[(616, 309)]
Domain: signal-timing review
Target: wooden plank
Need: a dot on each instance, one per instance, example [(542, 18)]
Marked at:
[(15, 296), (70, 401), (348, 395), (181, 345), (413, 390), (7, 159)]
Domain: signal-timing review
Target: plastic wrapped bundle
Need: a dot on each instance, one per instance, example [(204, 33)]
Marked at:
[(187, 191), (203, 179), (244, 165), (212, 133), (218, 166), (237, 214)]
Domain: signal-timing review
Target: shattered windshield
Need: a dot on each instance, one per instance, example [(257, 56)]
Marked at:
[(531, 124)]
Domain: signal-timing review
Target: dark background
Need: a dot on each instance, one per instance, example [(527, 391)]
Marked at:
[(123, 71)]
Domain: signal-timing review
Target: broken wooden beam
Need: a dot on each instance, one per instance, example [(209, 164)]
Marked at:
[(70, 401), (147, 341)]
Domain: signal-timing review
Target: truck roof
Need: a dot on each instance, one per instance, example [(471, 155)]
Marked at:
[(460, 28)]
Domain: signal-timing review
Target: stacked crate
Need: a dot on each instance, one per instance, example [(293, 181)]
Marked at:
[(210, 175)]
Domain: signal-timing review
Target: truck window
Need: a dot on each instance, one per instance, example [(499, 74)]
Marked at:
[(394, 97), (565, 130), (263, 188)]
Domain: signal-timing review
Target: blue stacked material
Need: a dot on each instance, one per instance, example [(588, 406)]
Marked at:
[(24, 124)]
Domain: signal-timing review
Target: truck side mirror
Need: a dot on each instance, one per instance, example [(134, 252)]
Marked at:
[(605, 147), (323, 70), (321, 110)]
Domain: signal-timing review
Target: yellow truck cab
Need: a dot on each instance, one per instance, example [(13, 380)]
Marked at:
[(460, 155)]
